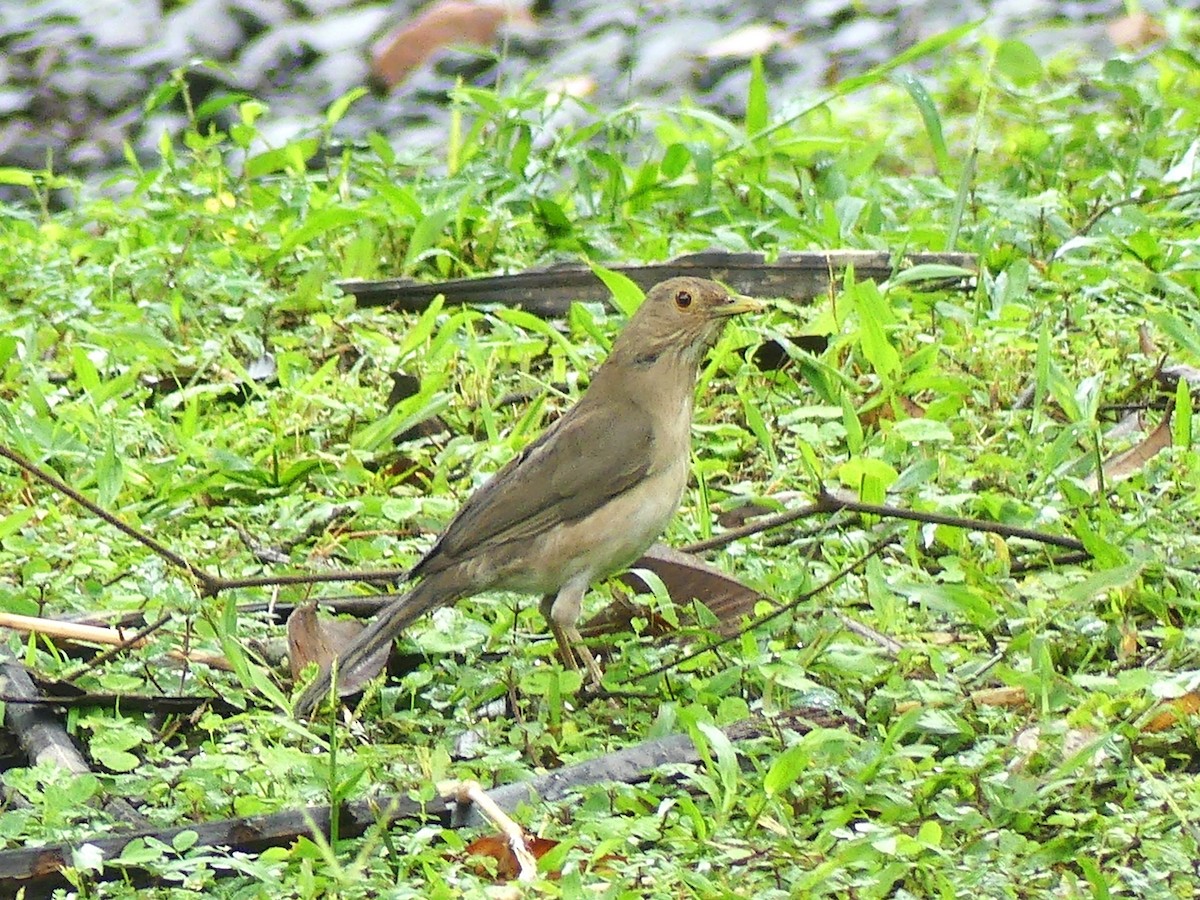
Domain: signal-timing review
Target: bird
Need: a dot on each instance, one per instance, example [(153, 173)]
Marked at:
[(585, 499)]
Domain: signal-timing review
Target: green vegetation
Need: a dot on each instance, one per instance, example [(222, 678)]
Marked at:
[(130, 324)]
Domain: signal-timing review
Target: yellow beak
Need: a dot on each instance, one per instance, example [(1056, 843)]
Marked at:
[(738, 304)]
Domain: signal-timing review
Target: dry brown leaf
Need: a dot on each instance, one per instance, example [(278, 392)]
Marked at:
[(497, 847), (687, 578), (1124, 465), (885, 412), (1174, 710), (1134, 31), (514, 851), (316, 638), (941, 638), (441, 24), (1006, 697), (1146, 341), (1129, 642)]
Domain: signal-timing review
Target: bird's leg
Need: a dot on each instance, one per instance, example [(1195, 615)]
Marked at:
[(561, 612)]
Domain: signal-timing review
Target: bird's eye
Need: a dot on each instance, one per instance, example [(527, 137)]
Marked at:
[(683, 299)]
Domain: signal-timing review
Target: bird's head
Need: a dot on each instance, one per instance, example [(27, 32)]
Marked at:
[(680, 316)]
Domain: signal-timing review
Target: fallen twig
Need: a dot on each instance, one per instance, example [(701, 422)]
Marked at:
[(44, 739), (829, 503), (39, 869), (94, 634), (551, 291)]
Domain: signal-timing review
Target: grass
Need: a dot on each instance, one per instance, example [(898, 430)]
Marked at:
[(132, 323)]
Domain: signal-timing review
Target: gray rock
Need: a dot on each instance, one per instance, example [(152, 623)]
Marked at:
[(599, 56), (860, 34), (120, 24), (114, 89), (14, 99), (666, 55), (201, 28)]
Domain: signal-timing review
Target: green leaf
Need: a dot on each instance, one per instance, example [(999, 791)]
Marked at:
[(219, 103), (786, 769), (163, 94), (756, 101), (138, 853), (1096, 878), (923, 431), (338, 107), (382, 148), (184, 840), (1017, 61), (852, 424), (316, 225), (425, 235), (294, 155), (626, 295), (726, 769), (116, 760), (869, 477), (757, 424), (110, 474), (928, 272), (874, 316), (930, 117), (1177, 330), (674, 161), (22, 177), (85, 371), (15, 521), (251, 675), (1116, 578), (953, 600), (1181, 425)]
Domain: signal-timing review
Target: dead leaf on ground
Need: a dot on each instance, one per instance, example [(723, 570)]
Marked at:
[(1172, 711), (1135, 31), (885, 412), (316, 638), (441, 24), (1004, 697), (1128, 647), (1130, 425), (1146, 341), (1124, 465), (497, 848), (941, 638), (687, 578)]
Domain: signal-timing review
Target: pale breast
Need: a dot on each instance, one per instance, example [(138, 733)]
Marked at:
[(615, 535), (619, 532)]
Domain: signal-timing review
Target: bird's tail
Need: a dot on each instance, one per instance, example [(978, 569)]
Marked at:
[(377, 637)]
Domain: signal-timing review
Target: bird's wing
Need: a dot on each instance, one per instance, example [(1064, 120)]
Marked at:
[(592, 454)]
